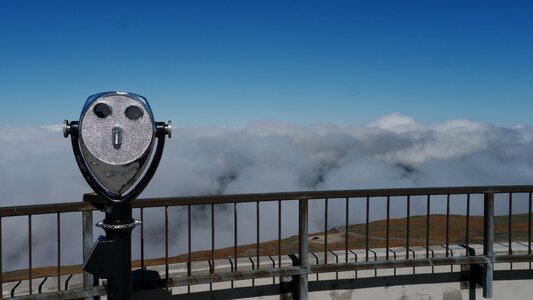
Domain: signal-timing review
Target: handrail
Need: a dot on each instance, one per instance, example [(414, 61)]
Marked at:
[(24, 210), (310, 195), (42, 209)]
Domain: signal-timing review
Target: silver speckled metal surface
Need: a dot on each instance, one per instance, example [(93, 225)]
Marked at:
[(97, 133)]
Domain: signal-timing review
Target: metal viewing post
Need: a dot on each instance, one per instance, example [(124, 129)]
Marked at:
[(113, 144)]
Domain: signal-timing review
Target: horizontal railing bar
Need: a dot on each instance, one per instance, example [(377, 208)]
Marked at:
[(387, 281), (332, 194), (513, 258), (384, 264), (41, 209), (291, 271), (229, 276)]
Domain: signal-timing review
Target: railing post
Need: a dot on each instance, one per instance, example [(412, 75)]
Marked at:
[(1, 267), (488, 244), (303, 248), (87, 228)]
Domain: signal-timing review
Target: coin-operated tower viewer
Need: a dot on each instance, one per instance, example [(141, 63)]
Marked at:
[(113, 143)]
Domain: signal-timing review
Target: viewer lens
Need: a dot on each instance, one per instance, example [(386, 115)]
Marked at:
[(102, 110), (134, 113)]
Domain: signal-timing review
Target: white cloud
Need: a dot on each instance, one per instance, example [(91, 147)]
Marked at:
[(396, 123), (53, 127), (37, 164)]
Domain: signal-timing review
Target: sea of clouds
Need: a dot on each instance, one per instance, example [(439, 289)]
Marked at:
[(37, 167)]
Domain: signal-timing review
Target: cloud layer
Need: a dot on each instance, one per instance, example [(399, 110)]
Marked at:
[(393, 151), (37, 166)]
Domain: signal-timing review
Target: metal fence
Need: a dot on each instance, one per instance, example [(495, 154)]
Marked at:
[(437, 228)]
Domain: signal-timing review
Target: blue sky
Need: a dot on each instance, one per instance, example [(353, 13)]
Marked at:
[(229, 63)]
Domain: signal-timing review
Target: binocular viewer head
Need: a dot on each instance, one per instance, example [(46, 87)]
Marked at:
[(114, 142), (116, 129)]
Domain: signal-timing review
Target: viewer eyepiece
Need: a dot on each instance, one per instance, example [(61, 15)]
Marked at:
[(133, 113), (102, 110)]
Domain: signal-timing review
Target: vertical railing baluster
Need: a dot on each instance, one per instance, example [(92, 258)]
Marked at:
[(488, 244), (30, 254), (232, 268), (326, 206), (355, 260), (428, 216), (212, 238), (189, 247), (375, 259), (40, 290), (510, 232), (387, 235), (467, 234), (529, 227), (87, 281), (14, 288), (432, 255), (510, 223), (336, 262), (235, 238), (447, 224), (235, 241), (316, 263), (303, 248), (166, 244), (414, 257), (394, 256), (347, 208), (142, 244), (68, 281), (366, 226), (279, 233), (258, 233), (212, 265), (253, 268), (408, 226), (1, 264), (273, 266)]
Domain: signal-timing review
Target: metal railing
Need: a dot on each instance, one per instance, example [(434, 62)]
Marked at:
[(377, 242)]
